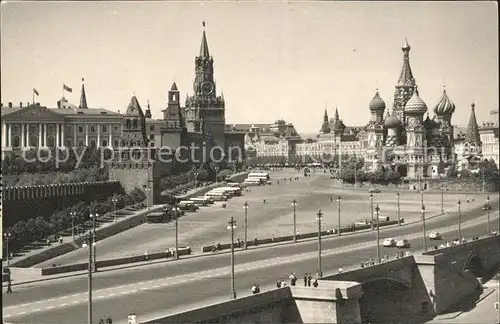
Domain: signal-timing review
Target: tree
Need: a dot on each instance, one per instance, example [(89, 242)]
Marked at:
[(452, 171)]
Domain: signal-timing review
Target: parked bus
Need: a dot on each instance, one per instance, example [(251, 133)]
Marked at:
[(253, 181), (202, 201), (235, 191), (264, 175), (188, 206), (229, 192), (216, 196)]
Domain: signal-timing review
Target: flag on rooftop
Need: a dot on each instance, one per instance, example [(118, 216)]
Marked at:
[(65, 87), (35, 91)]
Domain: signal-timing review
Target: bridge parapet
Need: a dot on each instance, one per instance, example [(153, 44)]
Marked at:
[(52, 190)]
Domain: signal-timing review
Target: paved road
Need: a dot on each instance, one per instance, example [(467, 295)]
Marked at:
[(173, 286), (274, 218)]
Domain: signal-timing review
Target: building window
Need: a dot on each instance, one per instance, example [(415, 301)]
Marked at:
[(152, 137), (152, 144), (15, 141), (51, 141), (104, 128), (152, 128), (80, 129), (69, 128), (33, 141), (69, 143), (104, 143), (117, 143), (115, 128), (92, 129), (134, 123), (80, 143), (92, 143)]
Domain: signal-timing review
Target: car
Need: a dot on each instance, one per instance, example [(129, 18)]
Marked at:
[(404, 243), (435, 236), (374, 190), (389, 242)]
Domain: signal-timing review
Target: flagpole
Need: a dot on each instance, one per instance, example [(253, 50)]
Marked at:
[(63, 92), (33, 94)]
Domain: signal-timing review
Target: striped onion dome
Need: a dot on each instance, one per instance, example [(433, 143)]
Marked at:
[(444, 106), (415, 105), (377, 104)]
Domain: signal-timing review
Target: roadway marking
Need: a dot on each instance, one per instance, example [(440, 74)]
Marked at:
[(172, 281)]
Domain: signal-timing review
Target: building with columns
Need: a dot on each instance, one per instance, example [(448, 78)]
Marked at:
[(489, 136)]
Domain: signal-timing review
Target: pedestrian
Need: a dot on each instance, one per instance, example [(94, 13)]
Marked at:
[(272, 238), (146, 255), (315, 283), (109, 320), (298, 234), (238, 242), (214, 248), (278, 283), (254, 289), (255, 241), (305, 280), (309, 278), (341, 270), (9, 287), (293, 279), (386, 257), (362, 264), (101, 321)]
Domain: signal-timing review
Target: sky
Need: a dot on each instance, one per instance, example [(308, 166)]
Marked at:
[(272, 60)]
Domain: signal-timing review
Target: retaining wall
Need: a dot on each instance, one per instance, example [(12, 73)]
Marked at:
[(113, 262), (290, 237)]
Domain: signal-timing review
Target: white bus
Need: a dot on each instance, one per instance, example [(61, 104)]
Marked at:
[(202, 201), (236, 191), (264, 175), (216, 196), (229, 192), (253, 181)]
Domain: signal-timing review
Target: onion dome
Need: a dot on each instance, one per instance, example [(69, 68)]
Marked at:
[(415, 105), (393, 121), (444, 106), (377, 104)]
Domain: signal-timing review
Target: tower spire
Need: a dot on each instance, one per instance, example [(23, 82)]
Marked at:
[(83, 97), (204, 44), (406, 76), (472, 135)]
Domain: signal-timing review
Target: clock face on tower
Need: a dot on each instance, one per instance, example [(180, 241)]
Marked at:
[(207, 87)]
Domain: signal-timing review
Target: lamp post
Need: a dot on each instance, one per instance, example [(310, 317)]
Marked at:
[(231, 225), (89, 241), (423, 227), (399, 212), (216, 173), (339, 199), (442, 199), (148, 191), (73, 215), (294, 204), (7, 236), (195, 181), (114, 200), (176, 230), (94, 216), (459, 221), (377, 211), (488, 208), (371, 209), (319, 219), (245, 207), (421, 197)]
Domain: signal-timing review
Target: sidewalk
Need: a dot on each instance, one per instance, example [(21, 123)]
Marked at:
[(68, 239)]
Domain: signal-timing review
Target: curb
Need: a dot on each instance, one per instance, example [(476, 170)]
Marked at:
[(204, 254)]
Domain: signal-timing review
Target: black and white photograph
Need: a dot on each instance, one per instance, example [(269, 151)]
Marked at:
[(250, 162)]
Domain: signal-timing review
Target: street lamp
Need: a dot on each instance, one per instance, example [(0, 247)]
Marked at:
[(88, 241), (339, 199), (176, 216), (294, 204), (231, 225), (371, 209), (148, 191), (195, 181), (423, 227), (459, 221), (442, 199), (488, 208), (94, 216), (7, 236), (73, 215), (216, 168), (245, 207), (319, 219), (377, 211), (399, 213), (421, 197), (114, 200)]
